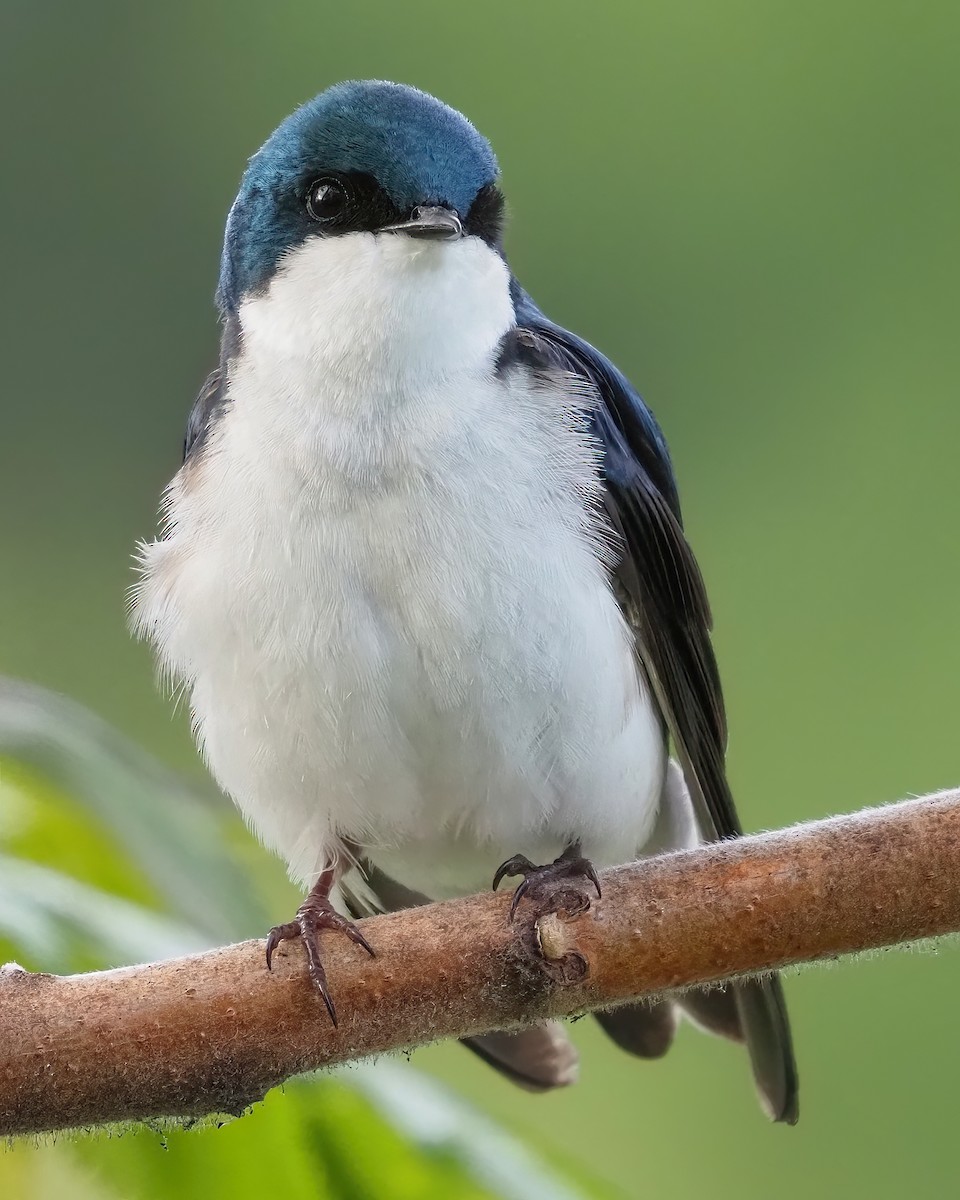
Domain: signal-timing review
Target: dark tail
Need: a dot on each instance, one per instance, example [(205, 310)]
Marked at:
[(763, 1019), (537, 1059), (752, 1012)]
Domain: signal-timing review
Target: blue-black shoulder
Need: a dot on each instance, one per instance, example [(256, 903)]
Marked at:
[(656, 579)]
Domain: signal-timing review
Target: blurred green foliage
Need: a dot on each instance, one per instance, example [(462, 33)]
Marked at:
[(753, 208)]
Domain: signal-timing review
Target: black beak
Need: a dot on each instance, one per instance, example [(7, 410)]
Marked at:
[(430, 221)]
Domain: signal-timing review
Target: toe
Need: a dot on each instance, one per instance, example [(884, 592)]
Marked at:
[(280, 933), (355, 936)]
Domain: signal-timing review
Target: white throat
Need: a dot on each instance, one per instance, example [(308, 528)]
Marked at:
[(382, 303)]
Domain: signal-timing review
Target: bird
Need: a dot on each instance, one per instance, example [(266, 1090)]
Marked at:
[(423, 573)]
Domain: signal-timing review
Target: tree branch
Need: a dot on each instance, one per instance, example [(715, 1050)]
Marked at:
[(214, 1032)]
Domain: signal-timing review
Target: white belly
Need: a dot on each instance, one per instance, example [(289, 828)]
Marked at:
[(394, 626)]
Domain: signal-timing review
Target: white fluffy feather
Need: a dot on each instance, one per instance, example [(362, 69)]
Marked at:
[(382, 582)]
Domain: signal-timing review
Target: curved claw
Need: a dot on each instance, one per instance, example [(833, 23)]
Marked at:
[(522, 888), (280, 933), (355, 936), (318, 975), (518, 865)]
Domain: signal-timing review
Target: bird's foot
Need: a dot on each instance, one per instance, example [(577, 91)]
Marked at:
[(550, 884), (314, 914)]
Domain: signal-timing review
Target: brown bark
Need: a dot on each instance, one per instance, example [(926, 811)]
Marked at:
[(215, 1031)]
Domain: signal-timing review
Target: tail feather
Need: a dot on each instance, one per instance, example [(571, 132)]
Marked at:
[(753, 1011), (714, 1010), (763, 1017), (538, 1059), (645, 1029)]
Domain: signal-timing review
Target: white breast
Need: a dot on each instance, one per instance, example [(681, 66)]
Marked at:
[(382, 582)]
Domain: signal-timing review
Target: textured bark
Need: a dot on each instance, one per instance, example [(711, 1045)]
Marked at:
[(214, 1032)]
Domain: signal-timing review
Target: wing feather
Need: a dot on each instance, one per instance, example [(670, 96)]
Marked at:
[(663, 598), (657, 579)]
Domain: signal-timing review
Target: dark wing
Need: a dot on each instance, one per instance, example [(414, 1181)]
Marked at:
[(663, 598), (657, 579), (211, 401)]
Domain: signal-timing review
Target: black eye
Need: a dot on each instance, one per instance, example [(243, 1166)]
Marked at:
[(327, 199)]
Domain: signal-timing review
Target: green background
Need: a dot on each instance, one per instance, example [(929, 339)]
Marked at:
[(753, 207)]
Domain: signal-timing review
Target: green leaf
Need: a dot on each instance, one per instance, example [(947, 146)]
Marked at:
[(52, 919), (175, 836)]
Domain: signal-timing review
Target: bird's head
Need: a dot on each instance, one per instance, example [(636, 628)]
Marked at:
[(367, 183)]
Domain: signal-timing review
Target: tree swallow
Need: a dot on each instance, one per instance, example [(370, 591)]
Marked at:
[(423, 573)]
